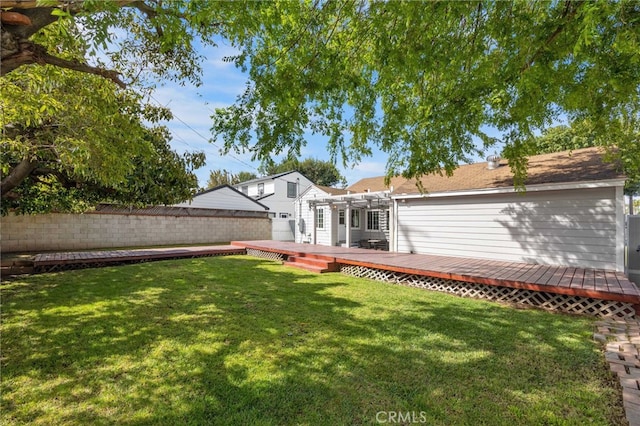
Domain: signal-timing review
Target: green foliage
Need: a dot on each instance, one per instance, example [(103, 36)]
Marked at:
[(88, 142), (245, 176), (623, 143), (424, 81), (224, 177), (318, 171)]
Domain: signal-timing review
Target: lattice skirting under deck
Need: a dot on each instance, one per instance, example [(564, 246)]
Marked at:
[(266, 254), (557, 302)]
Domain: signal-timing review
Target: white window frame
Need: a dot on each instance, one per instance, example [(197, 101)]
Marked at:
[(260, 189), (342, 217), (371, 220), (319, 218), (291, 194)]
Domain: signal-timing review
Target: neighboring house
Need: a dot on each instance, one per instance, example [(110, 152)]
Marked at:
[(278, 192), (572, 213), (223, 197)]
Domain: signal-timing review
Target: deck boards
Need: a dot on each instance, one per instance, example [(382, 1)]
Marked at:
[(594, 283), (123, 256)]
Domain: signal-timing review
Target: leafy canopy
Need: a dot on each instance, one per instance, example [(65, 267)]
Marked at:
[(224, 177), (581, 134), (319, 172), (426, 81), (73, 139)]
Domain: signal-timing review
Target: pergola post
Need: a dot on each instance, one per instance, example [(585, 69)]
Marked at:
[(347, 221)]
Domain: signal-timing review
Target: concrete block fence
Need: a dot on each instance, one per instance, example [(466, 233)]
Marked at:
[(29, 233)]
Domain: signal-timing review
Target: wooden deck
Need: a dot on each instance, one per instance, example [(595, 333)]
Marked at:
[(576, 290), (591, 283), (47, 262)]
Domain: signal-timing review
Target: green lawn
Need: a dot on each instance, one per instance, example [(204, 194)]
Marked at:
[(245, 341)]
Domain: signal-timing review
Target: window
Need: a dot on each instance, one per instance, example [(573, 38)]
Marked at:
[(355, 218), (272, 215), (341, 217), (320, 218), (245, 190), (388, 223), (284, 215), (373, 220), (260, 189), (292, 190)]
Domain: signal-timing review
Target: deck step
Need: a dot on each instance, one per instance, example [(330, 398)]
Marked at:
[(312, 263)]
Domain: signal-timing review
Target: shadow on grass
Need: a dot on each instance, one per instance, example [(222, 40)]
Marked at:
[(245, 341)]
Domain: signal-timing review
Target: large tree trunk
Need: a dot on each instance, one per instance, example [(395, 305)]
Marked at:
[(17, 176)]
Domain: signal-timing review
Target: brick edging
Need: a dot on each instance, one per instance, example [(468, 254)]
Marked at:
[(622, 340)]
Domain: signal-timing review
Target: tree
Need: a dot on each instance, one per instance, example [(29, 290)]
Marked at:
[(224, 177), (73, 139), (422, 81), (563, 138), (318, 171), (426, 81), (245, 176), (581, 134)]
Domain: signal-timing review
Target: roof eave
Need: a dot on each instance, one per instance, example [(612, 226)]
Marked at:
[(511, 189)]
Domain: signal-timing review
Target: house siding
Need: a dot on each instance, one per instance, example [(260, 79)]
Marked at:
[(569, 228), (275, 197), (223, 198), (306, 215)]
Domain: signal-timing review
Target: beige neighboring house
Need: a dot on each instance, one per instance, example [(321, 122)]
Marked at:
[(571, 214)]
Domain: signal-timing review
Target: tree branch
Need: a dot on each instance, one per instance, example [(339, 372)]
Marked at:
[(569, 12), (31, 53), (16, 176)]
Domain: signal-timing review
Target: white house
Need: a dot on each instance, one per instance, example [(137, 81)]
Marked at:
[(223, 197), (331, 216), (571, 214), (277, 192)]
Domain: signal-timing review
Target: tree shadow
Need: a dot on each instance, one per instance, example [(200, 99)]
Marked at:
[(577, 228), (245, 341)]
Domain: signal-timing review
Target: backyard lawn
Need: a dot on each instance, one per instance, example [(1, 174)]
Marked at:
[(245, 341)]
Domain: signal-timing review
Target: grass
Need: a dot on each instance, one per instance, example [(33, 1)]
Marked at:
[(239, 340)]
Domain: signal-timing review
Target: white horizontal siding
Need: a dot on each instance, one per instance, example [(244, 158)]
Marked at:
[(571, 227), (305, 213), (224, 199), (323, 235)]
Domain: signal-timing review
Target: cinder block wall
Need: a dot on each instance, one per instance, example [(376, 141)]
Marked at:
[(93, 230)]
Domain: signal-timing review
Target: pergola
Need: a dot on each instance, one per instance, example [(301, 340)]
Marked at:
[(364, 200)]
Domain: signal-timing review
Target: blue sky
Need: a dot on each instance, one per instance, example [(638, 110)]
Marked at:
[(222, 83)]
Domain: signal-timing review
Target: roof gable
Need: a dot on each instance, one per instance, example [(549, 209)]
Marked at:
[(270, 177), (375, 184), (223, 196)]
